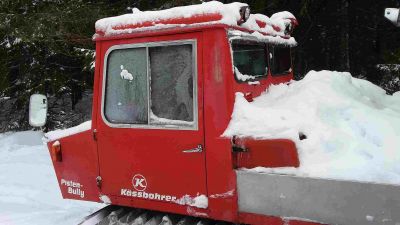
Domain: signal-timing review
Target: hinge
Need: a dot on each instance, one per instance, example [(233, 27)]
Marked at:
[(98, 181), (236, 148), (95, 134)]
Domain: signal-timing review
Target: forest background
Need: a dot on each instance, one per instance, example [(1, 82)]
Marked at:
[(46, 47)]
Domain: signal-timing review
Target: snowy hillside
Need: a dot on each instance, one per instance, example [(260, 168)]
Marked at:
[(29, 193), (352, 126)]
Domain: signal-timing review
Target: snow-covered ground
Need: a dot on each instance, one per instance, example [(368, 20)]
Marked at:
[(352, 126), (29, 193)]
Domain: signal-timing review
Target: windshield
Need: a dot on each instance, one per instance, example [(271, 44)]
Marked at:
[(280, 60), (250, 60)]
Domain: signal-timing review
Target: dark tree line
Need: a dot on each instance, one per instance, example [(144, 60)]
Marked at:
[(46, 47), (345, 35)]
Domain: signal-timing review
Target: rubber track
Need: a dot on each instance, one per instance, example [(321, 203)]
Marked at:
[(118, 215)]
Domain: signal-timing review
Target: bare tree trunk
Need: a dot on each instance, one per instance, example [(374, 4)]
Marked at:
[(345, 35)]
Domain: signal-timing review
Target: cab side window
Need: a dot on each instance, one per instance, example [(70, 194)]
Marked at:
[(250, 60), (171, 83), (126, 87), (151, 85)]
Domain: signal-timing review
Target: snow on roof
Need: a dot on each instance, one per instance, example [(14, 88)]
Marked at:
[(278, 40), (212, 12), (352, 126)]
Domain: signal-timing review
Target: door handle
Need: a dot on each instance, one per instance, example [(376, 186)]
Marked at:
[(199, 148)]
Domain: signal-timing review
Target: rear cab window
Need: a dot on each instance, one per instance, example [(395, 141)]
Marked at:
[(254, 60), (250, 60), (280, 60), (151, 86)]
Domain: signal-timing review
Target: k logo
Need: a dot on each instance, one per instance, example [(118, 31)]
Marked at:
[(139, 182)]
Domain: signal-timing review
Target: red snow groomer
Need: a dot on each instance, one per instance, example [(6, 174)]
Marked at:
[(164, 91)]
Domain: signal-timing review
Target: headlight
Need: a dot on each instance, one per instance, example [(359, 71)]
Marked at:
[(244, 14), (288, 28)]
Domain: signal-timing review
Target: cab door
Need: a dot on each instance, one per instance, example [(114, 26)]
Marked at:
[(151, 134)]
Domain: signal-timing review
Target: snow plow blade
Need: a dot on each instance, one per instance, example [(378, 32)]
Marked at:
[(119, 215), (320, 200)]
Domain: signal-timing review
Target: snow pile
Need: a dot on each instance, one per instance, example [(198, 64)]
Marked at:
[(200, 201), (29, 193), (230, 15), (168, 122), (243, 77), (57, 134), (125, 74), (105, 199), (352, 127), (274, 25)]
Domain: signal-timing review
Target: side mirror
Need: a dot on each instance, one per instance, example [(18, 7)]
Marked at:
[(37, 110), (393, 16)]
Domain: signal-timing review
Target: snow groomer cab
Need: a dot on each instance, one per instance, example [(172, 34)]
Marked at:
[(164, 91)]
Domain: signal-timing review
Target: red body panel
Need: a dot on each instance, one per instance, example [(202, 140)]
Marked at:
[(118, 154), (218, 104), (78, 166), (266, 153)]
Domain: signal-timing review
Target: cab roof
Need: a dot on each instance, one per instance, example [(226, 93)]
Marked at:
[(278, 26)]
